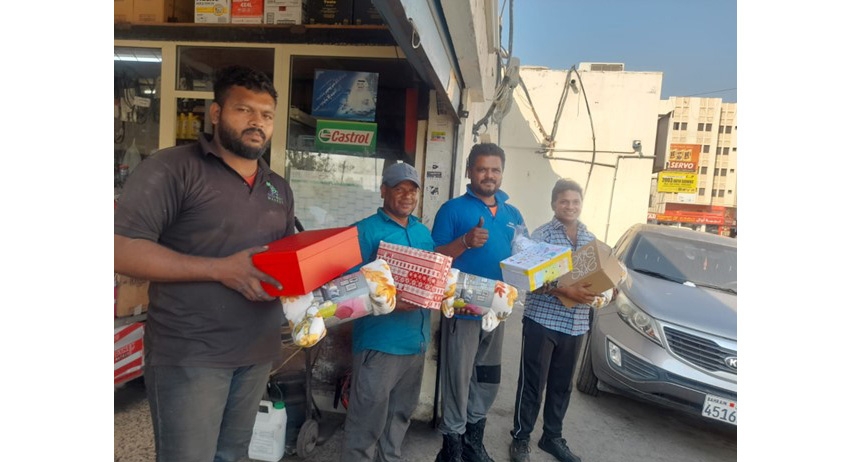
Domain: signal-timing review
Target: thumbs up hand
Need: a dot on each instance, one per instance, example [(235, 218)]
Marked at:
[(477, 236)]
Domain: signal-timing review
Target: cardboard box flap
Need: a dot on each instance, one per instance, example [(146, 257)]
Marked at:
[(593, 263)]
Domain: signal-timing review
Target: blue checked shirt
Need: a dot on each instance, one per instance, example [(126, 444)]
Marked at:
[(547, 309)]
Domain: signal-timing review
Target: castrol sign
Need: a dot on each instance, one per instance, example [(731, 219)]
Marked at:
[(345, 136)]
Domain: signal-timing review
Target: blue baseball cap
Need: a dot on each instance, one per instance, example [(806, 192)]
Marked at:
[(399, 172)]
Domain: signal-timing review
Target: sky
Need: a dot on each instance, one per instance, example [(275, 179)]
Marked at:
[(693, 42)]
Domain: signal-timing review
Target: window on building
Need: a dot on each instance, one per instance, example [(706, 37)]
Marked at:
[(705, 148), (720, 193), (675, 125), (722, 172), (708, 127), (725, 151), (700, 127), (716, 171), (731, 170), (703, 170), (729, 191), (702, 190), (684, 125), (713, 193), (729, 128), (718, 150), (721, 129), (734, 149)]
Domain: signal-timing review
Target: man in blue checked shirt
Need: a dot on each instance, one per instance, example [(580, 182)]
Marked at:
[(551, 335)]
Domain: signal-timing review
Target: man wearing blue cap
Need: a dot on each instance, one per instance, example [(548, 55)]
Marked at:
[(388, 350)]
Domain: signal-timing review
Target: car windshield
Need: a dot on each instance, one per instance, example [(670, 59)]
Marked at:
[(702, 263)]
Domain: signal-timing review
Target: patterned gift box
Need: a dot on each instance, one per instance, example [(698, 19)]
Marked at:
[(536, 265), (420, 276)]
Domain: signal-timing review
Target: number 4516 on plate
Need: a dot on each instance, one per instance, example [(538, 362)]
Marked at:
[(715, 407)]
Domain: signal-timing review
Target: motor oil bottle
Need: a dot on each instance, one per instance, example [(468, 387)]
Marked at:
[(269, 439)]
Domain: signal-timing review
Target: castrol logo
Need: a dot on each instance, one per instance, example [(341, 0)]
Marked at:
[(348, 137)]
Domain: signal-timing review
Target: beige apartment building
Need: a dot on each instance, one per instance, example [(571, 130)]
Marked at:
[(695, 179)]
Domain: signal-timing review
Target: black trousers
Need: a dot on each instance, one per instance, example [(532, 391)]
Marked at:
[(548, 360)]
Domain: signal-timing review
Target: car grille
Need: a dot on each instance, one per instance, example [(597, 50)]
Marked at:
[(700, 351), (636, 368)]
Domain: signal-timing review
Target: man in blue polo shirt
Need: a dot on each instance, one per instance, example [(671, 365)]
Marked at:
[(476, 230), (388, 350)]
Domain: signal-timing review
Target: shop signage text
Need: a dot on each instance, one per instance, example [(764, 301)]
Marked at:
[(345, 136), (677, 182), (684, 157)]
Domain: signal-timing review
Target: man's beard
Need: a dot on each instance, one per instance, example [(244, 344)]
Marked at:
[(232, 141)]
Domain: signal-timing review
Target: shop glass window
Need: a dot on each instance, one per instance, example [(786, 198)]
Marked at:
[(196, 66), (138, 73), (338, 185)]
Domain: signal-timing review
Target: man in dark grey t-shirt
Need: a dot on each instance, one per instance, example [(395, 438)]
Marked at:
[(189, 219)]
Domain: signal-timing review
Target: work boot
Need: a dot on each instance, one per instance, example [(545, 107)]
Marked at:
[(452, 448), (558, 448), (520, 451), (473, 443)]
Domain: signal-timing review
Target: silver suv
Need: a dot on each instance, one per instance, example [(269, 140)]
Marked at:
[(669, 336)]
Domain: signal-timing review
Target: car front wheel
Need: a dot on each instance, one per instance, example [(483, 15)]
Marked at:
[(586, 380)]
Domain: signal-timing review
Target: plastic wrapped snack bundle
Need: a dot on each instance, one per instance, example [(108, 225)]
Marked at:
[(450, 294), (473, 297), (371, 290)]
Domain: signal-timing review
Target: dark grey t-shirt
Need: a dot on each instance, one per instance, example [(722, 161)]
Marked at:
[(188, 200)]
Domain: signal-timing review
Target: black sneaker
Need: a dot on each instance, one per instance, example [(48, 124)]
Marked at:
[(520, 451), (558, 448)]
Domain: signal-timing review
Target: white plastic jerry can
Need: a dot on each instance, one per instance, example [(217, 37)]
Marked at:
[(269, 439)]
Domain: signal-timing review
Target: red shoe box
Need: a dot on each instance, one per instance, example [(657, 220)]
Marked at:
[(304, 261), (420, 276)]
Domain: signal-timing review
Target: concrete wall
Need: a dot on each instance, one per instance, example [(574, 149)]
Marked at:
[(623, 107)]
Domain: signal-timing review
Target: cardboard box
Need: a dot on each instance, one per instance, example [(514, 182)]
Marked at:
[(123, 10), (129, 351), (131, 296), (329, 12), (212, 11), (536, 265), (284, 11), (304, 261), (420, 276), (364, 12), (160, 11), (594, 263), (246, 11)]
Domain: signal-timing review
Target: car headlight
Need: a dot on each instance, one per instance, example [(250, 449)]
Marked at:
[(636, 318)]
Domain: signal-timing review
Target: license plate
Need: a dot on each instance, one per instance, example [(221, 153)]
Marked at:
[(715, 407)]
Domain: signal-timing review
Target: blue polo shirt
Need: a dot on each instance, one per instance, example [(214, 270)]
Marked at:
[(457, 216), (397, 333)]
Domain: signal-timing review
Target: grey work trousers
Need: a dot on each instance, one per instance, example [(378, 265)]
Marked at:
[(203, 414), (470, 371), (384, 394)]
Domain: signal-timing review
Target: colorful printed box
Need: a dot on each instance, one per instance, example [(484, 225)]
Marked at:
[(420, 276), (537, 265)]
